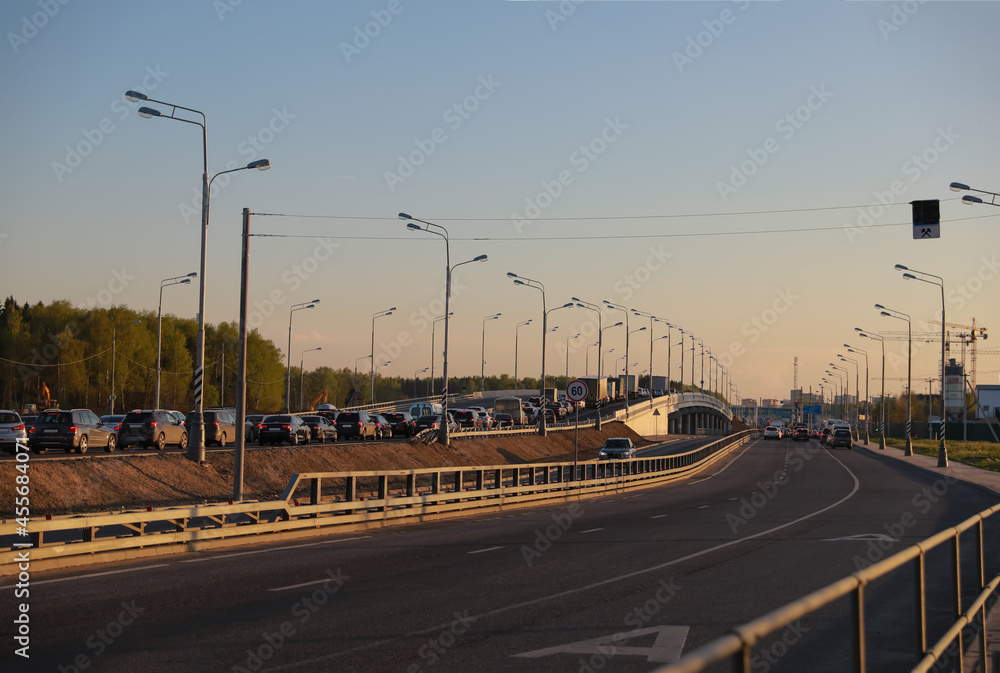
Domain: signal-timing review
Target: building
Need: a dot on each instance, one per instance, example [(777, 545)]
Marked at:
[(989, 400), (748, 402)]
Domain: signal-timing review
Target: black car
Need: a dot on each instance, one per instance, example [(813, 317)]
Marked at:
[(152, 428), (401, 422), (74, 430), (504, 420), (801, 434), (382, 428), (467, 418), (220, 426), (433, 422), (320, 429), (283, 428), (252, 426), (355, 424)]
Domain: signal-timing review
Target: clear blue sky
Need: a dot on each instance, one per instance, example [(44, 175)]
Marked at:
[(711, 115)]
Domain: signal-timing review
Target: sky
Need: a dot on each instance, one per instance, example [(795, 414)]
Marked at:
[(741, 170)]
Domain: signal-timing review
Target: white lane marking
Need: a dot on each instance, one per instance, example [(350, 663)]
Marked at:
[(592, 530), (667, 647), (480, 551), (80, 577), (728, 465), (304, 584), (703, 507), (879, 537), (581, 589), (266, 551), (658, 516)]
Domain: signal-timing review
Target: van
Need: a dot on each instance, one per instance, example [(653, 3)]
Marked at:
[(425, 409), (841, 426), (841, 436)]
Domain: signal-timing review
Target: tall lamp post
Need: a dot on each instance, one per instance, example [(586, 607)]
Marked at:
[(364, 357), (899, 315), (114, 340), (624, 310), (302, 377), (600, 346), (847, 389), (196, 449), (857, 393), (377, 314), (652, 319), (536, 285), (604, 355), (587, 361), (568, 339), (517, 327), (416, 380), (379, 366), (433, 332), (482, 385), (868, 405), (443, 233), (288, 365), (166, 282), (881, 340), (913, 274)]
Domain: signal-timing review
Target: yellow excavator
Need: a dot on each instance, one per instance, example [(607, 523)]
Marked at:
[(318, 400)]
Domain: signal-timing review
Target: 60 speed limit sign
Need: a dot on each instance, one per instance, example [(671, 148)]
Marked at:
[(576, 391)]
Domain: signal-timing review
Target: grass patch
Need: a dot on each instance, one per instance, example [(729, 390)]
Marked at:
[(977, 454)]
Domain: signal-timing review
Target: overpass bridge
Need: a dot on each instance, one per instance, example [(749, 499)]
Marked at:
[(680, 414)]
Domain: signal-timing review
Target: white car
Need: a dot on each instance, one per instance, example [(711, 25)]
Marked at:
[(772, 432), (11, 429)]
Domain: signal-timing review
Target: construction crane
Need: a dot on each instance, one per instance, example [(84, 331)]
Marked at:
[(972, 336)]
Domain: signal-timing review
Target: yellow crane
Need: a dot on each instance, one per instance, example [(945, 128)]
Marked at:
[(972, 336)]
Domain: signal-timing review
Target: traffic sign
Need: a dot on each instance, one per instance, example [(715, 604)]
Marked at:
[(576, 391)]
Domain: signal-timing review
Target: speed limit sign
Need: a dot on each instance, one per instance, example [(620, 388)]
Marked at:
[(576, 391)]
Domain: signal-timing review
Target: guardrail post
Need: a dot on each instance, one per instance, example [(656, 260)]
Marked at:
[(435, 482), (349, 492), (858, 633), (315, 490), (531, 475), (383, 491), (480, 477), (498, 478), (458, 483), (411, 486)]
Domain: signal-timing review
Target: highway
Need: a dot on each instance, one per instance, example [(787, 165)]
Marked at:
[(618, 583)]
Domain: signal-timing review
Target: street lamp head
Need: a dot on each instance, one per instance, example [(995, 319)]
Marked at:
[(511, 274), (410, 225), (886, 314), (260, 164), (880, 307), (567, 305), (519, 282), (909, 276), (136, 96), (481, 258), (147, 112), (618, 324), (968, 199), (186, 281), (900, 267), (404, 216), (316, 301), (958, 187), (193, 274)]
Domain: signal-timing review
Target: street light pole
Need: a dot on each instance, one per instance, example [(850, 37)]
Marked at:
[(857, 392), (196, 449), (302, 377), (447, 305), (600, 347), (379, 366), (433, 332), (482, 375), (517, 327), (881, 340), (587, 361), (377, 314), (416, 381), (166, 282), (624, 310), (942, 428), (568, 339), (288, 365), (899, 315), (868, 405)]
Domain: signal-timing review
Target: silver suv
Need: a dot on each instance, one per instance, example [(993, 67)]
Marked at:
[(11, 429)]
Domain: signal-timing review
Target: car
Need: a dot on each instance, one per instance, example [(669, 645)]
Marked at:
[(280, 428), (320, 428), (178, 415), (486, 419), (772, 432), (74, 430), (383, 430), (152, 428), (28, 420), (113, 422), (467, 418), (401, 422), (251, 427), (801, 434), (550, 416), (504, 421), (355, 424), (433, 422), (841, 437), (617, 448), (220, 426), (12, 429)]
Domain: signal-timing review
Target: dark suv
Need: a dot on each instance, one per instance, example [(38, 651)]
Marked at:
[(74, 430), (355, 424), (220, 426), (801, 434), (402, 423), (152, 428)]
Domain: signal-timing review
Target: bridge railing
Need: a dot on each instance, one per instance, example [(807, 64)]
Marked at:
[(316, 503), (737, 646)]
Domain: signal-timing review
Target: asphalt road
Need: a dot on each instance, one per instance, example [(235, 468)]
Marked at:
[(664, 569)]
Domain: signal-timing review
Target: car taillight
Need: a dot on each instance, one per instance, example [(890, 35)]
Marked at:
[(72, 429), (286, 427), (31, 429), (152, 425), (118, 427), (216, 423), (18, 427)]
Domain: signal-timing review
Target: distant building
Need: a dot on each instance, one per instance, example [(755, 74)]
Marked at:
[(989, 399), (769, 402), (749, 402)]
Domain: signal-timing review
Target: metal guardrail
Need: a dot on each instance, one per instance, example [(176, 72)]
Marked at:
[(330, 499), (738, 645)]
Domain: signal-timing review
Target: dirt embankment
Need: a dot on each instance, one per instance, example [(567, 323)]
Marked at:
[(100, 483)]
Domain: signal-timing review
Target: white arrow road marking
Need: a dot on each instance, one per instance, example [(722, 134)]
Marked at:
[(665, 649)]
